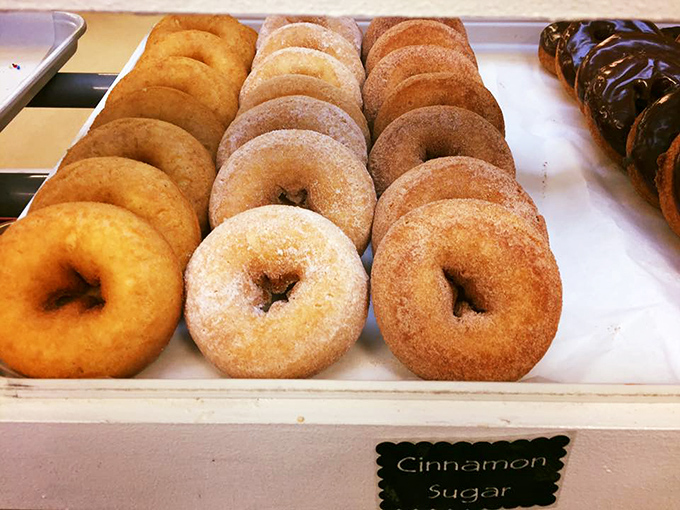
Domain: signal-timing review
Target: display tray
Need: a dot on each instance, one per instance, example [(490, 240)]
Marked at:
[(33, 47), (618, 259)]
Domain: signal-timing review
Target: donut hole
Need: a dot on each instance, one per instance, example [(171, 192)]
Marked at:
[(75, 291), (197, 55), (602, 31), (465, 298), (437, 150), (660, 87), (297, 198), (275, 289)]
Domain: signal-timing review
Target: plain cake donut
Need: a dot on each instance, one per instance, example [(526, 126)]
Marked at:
[(302, 168), (452, 177), (343, 26), (466, 290), (137, 187), (293, 112), (275, 292), (434, 132), (89, 290), (159, 144), (668, 184)]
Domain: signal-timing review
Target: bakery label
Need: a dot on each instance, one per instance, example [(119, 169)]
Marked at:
[(470, 476)]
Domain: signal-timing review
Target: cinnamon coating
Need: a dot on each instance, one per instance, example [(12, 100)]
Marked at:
[(343, 26)]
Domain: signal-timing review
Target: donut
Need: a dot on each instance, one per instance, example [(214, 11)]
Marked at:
[(410, 61), (621, 91), (582, 36), (89, 290), (668, 184), (432, 89), (137, 187), (547, 46), (466, 290), (300, 85), (293, 112), (672, 33), (301, 168), (650, 136), (159, 144), (315, 37), (201, 46), (200, 81), (240, 38), (418, 33), (378, 26), (447, 178), (616, 47), (434, 132), (169, 105), (275, 292), (346, 27), (306, 62)]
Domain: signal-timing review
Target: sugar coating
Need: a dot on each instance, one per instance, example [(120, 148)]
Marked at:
[(293, 112), (315, 37), (410, 61), (344, 26), (336, 184), (325, 311), (432, 132), (307, 62), (507, 291)]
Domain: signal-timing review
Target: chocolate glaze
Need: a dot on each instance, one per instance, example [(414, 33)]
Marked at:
[(551, 35), (658, 126), (616, 47), (581, 36), (623, 89), (671, 32)]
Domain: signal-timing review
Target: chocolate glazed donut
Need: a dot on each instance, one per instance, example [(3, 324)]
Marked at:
[(621, 91), (550, 37), (581, 36), (615, 48), (671, 33), (651, 136)]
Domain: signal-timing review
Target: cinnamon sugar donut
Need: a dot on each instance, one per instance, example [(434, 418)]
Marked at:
[(275, 292), (418, 33), (306, 62), (378, 26), (240, 38), (438, 89), (344, 26), (452, 177), (668, 184), (293, 112), (137, 187), (201, 46), (434, 132), (89, 290), (410, 61), (300, 85), (315, 37), (214, 90), (168, 105), (302, 168), (466, 290), (160, 144)]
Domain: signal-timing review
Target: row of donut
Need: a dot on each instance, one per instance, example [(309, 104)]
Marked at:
[(625, 76)]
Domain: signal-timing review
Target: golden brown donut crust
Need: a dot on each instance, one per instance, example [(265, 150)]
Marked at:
[(300, 85), (297, 167), (214, 90), (168, 105), (438, 89), (448, 178), (411, 61), (89, 290), (159, 144), (378, 26), (418, 33), (140, 188), (547, 60), (240, 38), (315, 37), (667, 184), (434, 132), (233, 274), (293, 112), (466, 290), (343, 26)]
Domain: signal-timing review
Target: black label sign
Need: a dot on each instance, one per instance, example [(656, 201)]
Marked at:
[(470, 476)]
